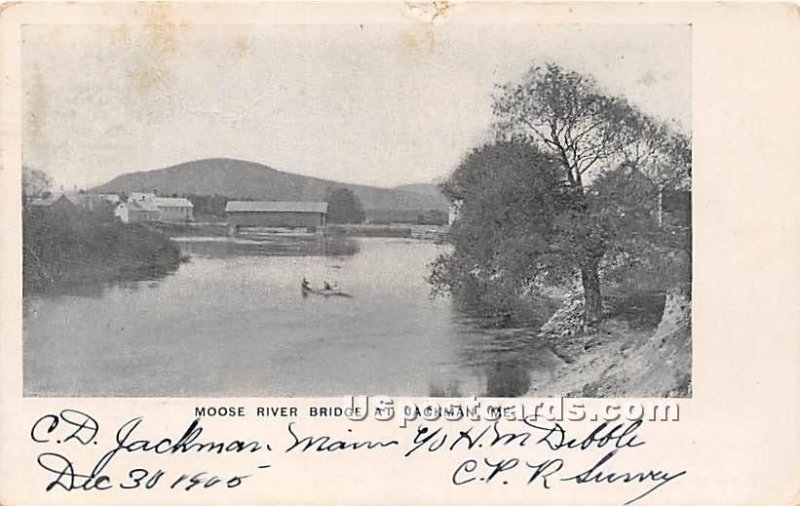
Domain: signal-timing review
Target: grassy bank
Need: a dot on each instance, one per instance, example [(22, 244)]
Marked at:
[(61, 248)]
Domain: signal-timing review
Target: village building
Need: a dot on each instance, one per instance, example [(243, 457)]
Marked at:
[(453, 211), (112, 198), (58, 203), (141, 207), (172, 209), (276, 214), (137, 211), (93, 201), (141, 195)]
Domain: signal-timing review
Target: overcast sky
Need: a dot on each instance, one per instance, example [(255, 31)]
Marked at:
[(378, 104)]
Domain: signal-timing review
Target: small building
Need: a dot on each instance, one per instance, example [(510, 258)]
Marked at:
[(276, 214), (454, 211), (93, 201), (173, 209), (111, 198), (136, 211), (53, 203)]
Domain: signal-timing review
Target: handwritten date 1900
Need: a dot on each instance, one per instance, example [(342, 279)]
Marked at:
[(67, 478)]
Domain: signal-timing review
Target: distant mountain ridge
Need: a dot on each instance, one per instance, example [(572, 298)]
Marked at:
[(250, 180), (422, 188)]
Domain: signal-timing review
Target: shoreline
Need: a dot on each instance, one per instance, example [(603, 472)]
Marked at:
[(619, 360), (78, 251), (223, 229)]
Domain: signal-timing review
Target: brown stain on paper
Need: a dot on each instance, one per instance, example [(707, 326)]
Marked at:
[(241, 47), (428, 12), (121, 35), (7, 5), (162, 32), (419, 41), (441, 9)]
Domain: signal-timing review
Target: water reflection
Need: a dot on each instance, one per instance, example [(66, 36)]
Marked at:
[(97, 286), (237, 325), (509, 360)]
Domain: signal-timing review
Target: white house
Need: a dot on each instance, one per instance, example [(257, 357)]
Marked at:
[(173, 209), (135, 211), (147, 207)]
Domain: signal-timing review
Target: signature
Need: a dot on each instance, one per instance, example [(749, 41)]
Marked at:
[(611, 439), (529, 453)]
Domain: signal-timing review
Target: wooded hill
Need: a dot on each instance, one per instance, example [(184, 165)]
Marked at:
[(241, 179)]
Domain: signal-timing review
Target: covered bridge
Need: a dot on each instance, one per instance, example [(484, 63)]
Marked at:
[(276, 214)]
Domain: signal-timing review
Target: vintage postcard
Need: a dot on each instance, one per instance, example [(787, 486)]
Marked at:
[(397, 253)]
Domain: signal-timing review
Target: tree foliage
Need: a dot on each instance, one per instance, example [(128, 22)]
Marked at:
[(208, 205), (591, 133), (73, 247), (35, 184), (566, 114), (344, 206), (511, 196), (574, 175)]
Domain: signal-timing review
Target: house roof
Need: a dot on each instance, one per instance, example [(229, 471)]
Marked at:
[(76, 198), (238, 206), (42, 202), (144, 205), (171, 202), (141, 195), (49, 201), (109, 197), (87, 199)]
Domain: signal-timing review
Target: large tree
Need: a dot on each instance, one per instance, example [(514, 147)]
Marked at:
[(588, 132), (511, 195)]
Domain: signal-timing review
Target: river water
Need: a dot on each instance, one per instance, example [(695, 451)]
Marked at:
[(234, 324)]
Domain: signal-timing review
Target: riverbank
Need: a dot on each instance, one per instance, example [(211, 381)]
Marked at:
[(627, 355), (222, 229), (268, 244), (434, 233), (82, 248)]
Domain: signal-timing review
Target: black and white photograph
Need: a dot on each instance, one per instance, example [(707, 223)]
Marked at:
[(322, 210)]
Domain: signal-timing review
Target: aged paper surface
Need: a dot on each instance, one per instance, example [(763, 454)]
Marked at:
[(229, 375)]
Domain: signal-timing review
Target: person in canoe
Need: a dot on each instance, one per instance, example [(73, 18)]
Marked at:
[(326, 291)]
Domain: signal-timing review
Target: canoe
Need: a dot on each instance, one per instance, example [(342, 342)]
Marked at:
[(325, 293)]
